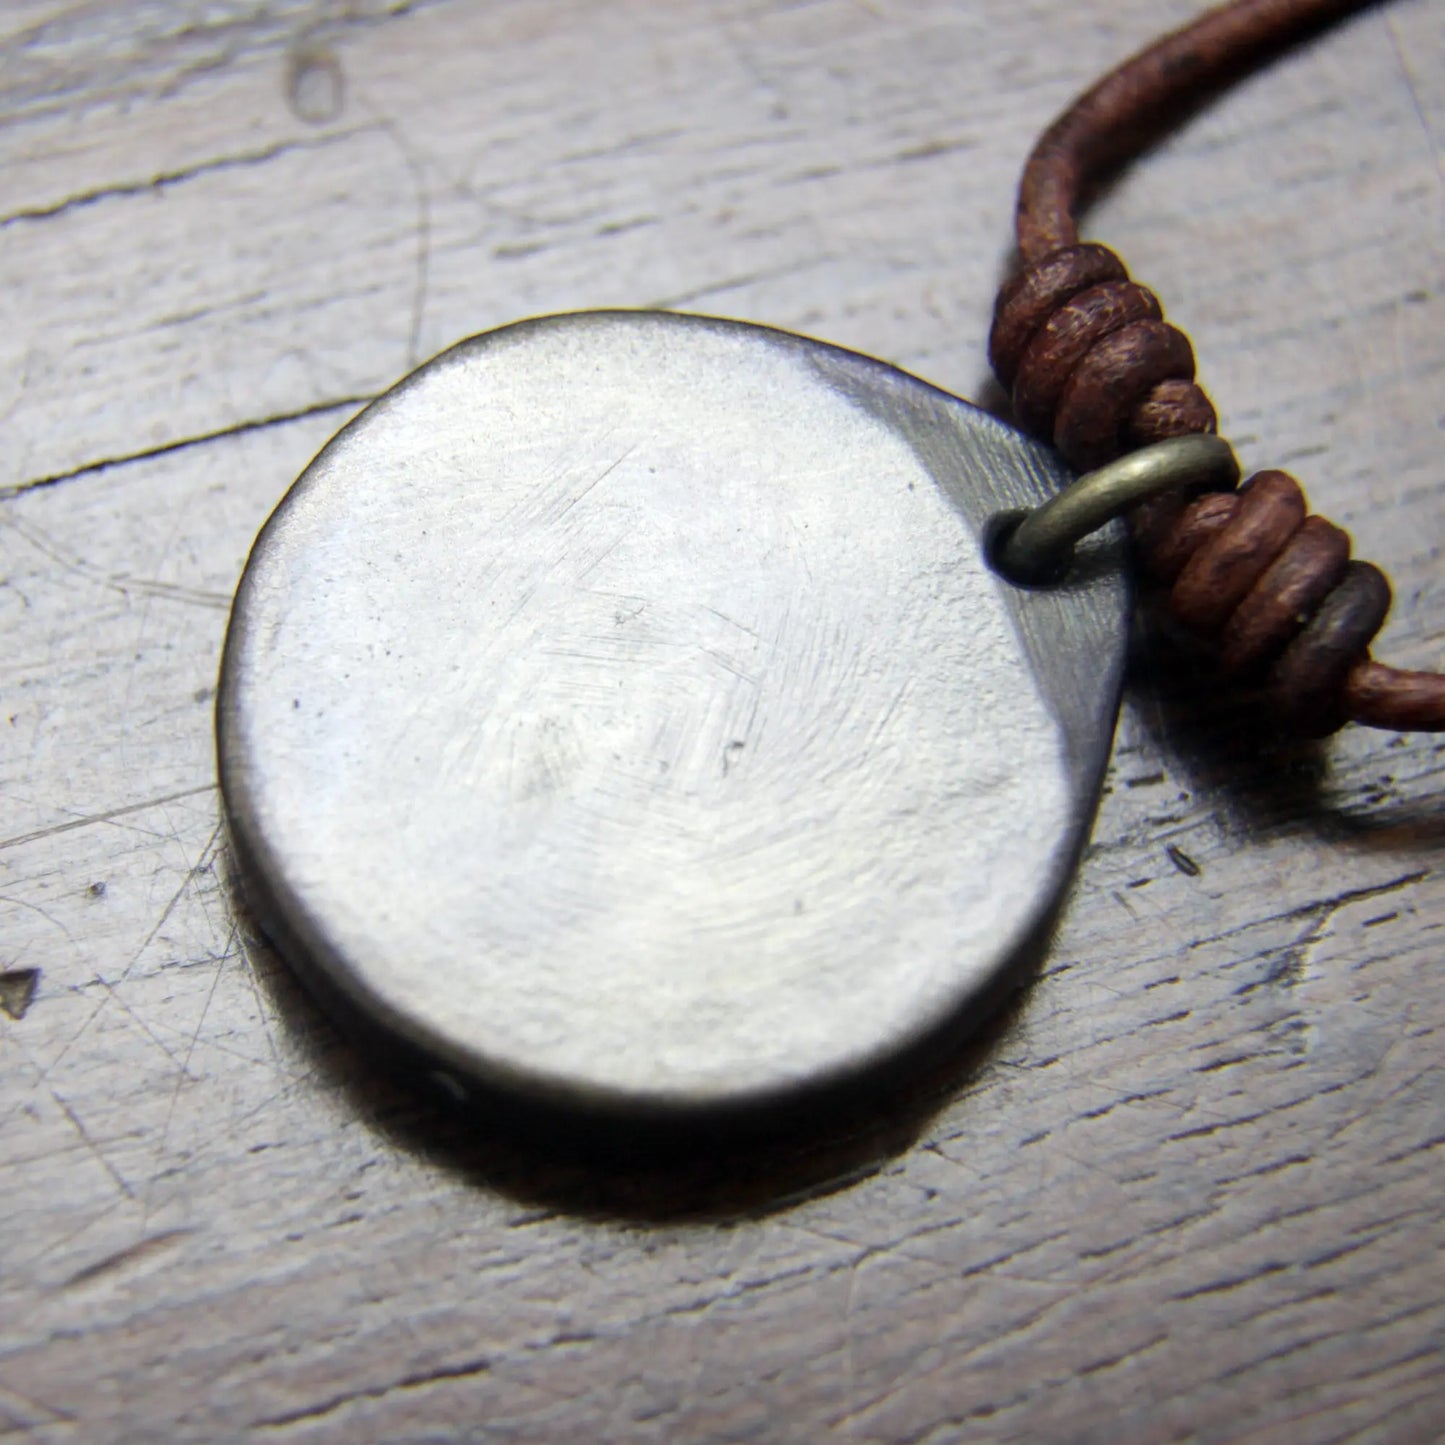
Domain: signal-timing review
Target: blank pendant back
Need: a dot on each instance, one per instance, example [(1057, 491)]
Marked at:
[(621, 714)]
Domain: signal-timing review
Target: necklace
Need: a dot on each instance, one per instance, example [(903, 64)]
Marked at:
[(670, 718)]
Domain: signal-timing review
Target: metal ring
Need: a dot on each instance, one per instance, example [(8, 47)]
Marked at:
[(1038, 547)]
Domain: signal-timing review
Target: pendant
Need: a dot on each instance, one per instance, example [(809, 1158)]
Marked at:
[(622, 714)]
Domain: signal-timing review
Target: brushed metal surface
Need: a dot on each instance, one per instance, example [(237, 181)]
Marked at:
[(621, 712)]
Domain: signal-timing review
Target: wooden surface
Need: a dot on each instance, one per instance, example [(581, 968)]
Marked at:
[(1188, 1189)]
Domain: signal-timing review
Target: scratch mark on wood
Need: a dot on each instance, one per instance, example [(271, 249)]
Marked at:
[(1310, 911), (116, 581), (184, 1073), (111, 996), (191, 875), (465, 1369), (91, 819), (129, 1259), (244, 428), (731, 283), (40, 912), (1416, 103), (18, 1405), (91, 1145), (1428, 1146), (1232, 1282), (165, 179), (416, 168), (243, 946), (1108, 1362)]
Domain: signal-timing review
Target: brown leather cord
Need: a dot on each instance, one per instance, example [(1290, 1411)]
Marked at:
[(1092, 366)]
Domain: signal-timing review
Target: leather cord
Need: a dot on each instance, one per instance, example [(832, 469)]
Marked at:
[(1092, 365)]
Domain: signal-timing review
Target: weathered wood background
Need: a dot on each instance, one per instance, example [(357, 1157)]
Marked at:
[(1189, 1189)]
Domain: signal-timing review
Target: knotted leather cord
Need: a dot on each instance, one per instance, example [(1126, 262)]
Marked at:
[(1092, 366)]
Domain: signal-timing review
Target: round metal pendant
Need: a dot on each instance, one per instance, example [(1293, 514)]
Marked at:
[(621, 712)]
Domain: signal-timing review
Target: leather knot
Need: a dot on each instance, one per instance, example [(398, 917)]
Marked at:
[(1089, 361), (1273, 588), (1092, 366)]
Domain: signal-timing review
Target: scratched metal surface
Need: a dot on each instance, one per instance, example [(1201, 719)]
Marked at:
[(1189, 1186), (623, 713)]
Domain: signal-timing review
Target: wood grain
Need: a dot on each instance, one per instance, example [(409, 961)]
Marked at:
[(1187, 1189)]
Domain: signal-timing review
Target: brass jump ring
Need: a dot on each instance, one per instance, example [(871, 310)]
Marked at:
[(1038, 547)]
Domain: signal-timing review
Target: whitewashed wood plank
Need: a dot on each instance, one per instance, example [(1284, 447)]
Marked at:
[(1190, 1186)]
